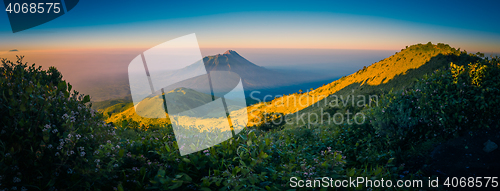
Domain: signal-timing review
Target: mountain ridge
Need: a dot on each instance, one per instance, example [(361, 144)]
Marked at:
[(379, 73), (413, 61)]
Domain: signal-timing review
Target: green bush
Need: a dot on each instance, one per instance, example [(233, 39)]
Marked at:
[(50, 139), (444, 104), (272, 121), (48, 134)]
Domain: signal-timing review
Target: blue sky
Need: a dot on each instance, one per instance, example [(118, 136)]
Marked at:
[(383, 25), (98, 39)]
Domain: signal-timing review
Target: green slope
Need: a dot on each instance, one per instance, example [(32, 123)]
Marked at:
[(393, 73)]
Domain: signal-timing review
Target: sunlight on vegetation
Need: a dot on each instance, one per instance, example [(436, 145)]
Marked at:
[(52, 139)]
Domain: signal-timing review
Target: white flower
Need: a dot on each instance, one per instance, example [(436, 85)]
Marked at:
[(82, 154), (55, 131), (16, 179)]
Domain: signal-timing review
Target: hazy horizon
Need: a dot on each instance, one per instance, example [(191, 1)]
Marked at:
[(90, 71)]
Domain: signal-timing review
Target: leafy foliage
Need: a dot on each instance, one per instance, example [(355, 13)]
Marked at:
[(51, 139), (272, 121), (48, 134), (444, 104)]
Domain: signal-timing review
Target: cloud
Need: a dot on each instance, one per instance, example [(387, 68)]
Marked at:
[(14, 50)]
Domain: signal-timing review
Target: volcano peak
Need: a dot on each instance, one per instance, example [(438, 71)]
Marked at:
[(231, 52)]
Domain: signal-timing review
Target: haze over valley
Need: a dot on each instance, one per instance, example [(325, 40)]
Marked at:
[(103, 74)]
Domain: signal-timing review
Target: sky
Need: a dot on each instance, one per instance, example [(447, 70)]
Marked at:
[(365, 25), (93, 44)]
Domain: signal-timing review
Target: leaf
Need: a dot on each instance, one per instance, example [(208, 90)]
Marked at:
[(120, 187), (61, 86), (142, 171), (51, 183), (218, 182), (351, 172), (244, 171), (263, 154), (161, 173), (176, 185), (86, 99), (324, 164), (121, 152), (187, 178), (390, 160), (29, 90), (378, 171), (237, 168), (186, 160)]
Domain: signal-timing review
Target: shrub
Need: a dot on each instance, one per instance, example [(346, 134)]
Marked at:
[(272, 121), (446, 103), (48, 134)]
